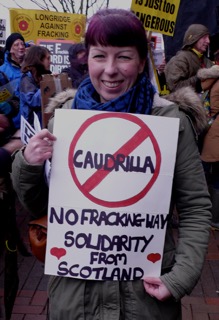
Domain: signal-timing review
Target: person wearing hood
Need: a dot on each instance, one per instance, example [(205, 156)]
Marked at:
[(78, 69), (181, 70)]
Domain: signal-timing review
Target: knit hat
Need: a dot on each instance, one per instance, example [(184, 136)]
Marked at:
[(11, 39), (193, 34), (74, 49)]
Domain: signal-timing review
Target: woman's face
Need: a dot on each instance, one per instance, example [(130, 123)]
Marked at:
[(113, 70), (47, 61)]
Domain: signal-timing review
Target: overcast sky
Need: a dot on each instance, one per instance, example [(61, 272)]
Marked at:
[(5, 4)]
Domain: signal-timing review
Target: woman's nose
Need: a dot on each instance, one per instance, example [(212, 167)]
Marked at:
[(110, 66)]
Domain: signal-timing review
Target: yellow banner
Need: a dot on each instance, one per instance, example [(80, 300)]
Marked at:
[(6, 91), (157, 15), (40, 24)]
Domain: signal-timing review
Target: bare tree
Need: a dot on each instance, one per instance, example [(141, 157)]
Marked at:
[(69, 6)]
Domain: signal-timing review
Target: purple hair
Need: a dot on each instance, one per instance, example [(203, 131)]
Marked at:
[(117, 28)]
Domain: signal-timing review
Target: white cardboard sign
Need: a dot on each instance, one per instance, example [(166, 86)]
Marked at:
[(110, 189)]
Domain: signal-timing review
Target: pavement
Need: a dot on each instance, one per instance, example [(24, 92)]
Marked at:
[(31, 300)]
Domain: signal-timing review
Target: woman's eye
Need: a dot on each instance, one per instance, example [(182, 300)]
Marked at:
[(98, 56), (124, 58)]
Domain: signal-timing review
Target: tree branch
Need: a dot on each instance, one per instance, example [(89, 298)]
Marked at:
[(65, 5)]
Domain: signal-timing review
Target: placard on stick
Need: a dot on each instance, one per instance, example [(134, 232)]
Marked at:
[(50, 86)]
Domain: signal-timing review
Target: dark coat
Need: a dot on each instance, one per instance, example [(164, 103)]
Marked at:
[(181, 70)]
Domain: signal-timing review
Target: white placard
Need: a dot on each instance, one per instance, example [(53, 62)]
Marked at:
[(27, 132), (110, 190)]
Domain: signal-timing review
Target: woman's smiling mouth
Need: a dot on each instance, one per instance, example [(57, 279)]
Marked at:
[(113, 84)]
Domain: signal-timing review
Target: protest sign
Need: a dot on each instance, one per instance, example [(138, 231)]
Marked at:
[(2, 32), (59, 53), (27, 132), (158, 56), (7, 90), (157, 15), (156, 59), (40, 24), (49, 87), (109, 198)]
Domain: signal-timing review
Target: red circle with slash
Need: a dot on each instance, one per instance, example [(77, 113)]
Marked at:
[(95, 179)]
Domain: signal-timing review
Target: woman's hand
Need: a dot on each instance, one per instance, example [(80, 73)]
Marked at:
[(156, 288), (39, 147)]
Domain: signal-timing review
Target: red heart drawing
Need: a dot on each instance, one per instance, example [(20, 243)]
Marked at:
[(154, 257), (58, 252)]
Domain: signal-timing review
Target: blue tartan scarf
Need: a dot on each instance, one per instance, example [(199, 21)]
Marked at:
[(138, 99)]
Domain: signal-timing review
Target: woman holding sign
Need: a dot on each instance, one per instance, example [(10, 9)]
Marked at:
[(117, 55)]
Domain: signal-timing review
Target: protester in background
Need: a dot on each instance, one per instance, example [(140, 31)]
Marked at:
[(210, 151), (8, 108), (10, 240), (10, 141), (9, 135), (1, 56), (117, 55), (181, 70), (36, 63), (13, 58), (78, 69)]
